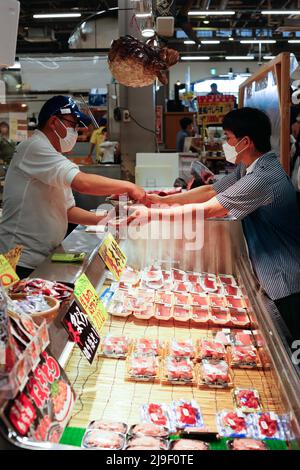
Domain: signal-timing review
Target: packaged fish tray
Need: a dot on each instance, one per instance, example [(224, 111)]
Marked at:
[(119, 309), (182, 286), (189, 445), (243, 338), (144, 313), (114, 426), (227, 279), (244, 357), (163, 297), (232, 290), (234, 301), (200, 314), (247, 400), (196, 288), (208, 283), (217, 300), (187, 414), (239, 318), (246, 444), (142, 368), (181, 298), (232, 424), (207, 349), (200, 300), (146, 443), (223, 336), (181, 313), (115, 346), (214, 374), (219, 316), (159, 414), (104, 440), (177, 371), (147, 347), (266, 425), (149, 429), (178, 275), (192, 277), (163, 312), (178, 348)]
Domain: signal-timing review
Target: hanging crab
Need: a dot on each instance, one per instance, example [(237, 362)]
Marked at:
[(136, 64)]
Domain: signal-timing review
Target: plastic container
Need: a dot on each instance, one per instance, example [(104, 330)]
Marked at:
[(181, 313), (215, 374), (181, 349), (39, 317), (210, 350), (247, 399), (220, 316), (232, 424), (200, 315), (149, 429), (163, 312), (114, 426), (104, 440), (177, 371), (187, 414), (159, 414), (143, 368)]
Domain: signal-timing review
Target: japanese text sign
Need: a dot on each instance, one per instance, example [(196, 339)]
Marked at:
[(113, 256)]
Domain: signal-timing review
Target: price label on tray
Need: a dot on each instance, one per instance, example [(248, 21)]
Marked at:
[(113, 256), (87, 297), (81, 331), (7, 274)]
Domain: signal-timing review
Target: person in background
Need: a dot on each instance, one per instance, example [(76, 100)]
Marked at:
[(7, 146), (214, 90), (97, 138), (187, 128), (37, 201), (259, 193), (107, 149)]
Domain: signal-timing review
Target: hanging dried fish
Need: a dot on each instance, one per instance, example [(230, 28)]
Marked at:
[(136, 64)]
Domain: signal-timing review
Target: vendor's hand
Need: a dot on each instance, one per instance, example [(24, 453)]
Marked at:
[(207, 177), (136, 193), (139, 214)]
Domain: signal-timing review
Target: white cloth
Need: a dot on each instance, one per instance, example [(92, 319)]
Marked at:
[(252, 166), (37, 196), (107, 149)]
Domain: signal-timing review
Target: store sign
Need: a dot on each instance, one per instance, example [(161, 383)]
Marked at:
[(89, 301), (42, 410), (18, 127), (7, 274), (213, 108), (113, 256), (81, 331)]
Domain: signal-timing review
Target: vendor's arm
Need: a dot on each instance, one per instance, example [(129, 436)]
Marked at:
[(196, 195), (76, 215), (97, 185)]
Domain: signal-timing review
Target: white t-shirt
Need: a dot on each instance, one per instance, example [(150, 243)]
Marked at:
[(37, 195), (107, 148)]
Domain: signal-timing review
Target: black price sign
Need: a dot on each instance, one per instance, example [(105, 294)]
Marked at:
[(81, 331)]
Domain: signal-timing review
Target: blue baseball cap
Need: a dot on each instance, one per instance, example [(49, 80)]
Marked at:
[(61, 106)]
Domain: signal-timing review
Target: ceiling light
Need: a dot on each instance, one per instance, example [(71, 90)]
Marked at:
[(280, 12), (148, 33), (241, 57), (194, 57), (269, 57), (294, 41), (206, 21), (114, 8), (16, 66), (57, 15), (23, 105), (258, 41), (230, 39), (211, 13), (210, 42), (189, 42)]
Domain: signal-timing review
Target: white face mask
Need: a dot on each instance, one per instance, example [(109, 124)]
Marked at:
[(230, 152), (67, 142)]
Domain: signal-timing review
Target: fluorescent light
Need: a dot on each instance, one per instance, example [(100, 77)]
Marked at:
[(148, 33), (280, 12), (294, 41), (210, 42), (211, 13), (269, 57), (189, 42), (16, 66), (194, 57), (230, 39), (258, 41), (114, 8), (242, 57), (57, 15), (143, 15), (206, 21)]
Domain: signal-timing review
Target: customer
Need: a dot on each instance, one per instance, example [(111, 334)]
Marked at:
[(260, 193), (214, 90), (186, 125), (38, 199), (7, 146), (97, 138), (107, 149)]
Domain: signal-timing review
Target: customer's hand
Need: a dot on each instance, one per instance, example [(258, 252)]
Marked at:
[(140, 215), (153, 199)]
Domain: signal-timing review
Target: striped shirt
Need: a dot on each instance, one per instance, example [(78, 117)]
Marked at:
[(265, 200)]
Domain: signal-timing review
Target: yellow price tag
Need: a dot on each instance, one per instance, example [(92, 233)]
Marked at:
[(113, 256), (7, 274), (87, 297)]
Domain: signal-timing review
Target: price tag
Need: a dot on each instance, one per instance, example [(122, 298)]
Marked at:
[(81, 331), (113, 256), (7, 274), (87, 297)]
